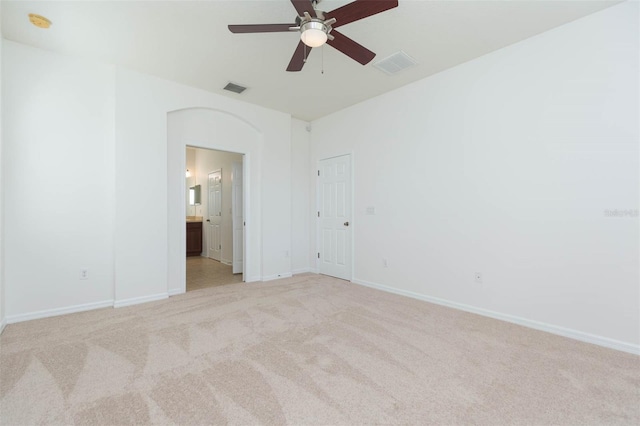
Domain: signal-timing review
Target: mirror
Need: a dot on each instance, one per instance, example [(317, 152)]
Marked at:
[(194, 195)]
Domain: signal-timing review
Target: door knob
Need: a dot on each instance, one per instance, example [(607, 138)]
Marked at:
[(346, 224)]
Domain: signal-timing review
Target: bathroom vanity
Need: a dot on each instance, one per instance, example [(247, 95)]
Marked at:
[(194, 235)]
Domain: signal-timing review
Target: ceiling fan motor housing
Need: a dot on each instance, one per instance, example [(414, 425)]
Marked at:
[(314, 24)]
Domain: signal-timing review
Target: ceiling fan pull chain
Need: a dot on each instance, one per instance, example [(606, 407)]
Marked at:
[(322, 70)]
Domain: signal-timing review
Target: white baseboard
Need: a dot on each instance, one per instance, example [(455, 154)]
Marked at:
[(138, 300), (58, 311), (300, 271), (276, 276), (3, 324), (175, 291), (537, 325), (226, 262)]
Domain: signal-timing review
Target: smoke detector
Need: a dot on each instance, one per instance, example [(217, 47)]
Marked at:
[(39, 21)]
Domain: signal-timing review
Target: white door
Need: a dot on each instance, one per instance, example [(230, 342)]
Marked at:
[(237, 217), (214, 211), (334, 214)]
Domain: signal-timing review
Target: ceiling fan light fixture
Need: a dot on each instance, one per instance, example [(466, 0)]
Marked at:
[(314, 34)]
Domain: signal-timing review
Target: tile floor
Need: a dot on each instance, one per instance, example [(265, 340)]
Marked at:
[(203, 272)]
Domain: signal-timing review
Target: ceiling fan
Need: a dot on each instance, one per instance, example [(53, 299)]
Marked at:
[(316, 28)]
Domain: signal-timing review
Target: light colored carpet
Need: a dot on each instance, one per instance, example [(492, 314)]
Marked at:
[(203, 272), (306, 350)]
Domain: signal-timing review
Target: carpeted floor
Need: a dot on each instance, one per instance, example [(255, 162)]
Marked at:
[(203, 272), (306, 350)]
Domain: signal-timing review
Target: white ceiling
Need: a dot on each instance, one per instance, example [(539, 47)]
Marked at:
[(188, 42)]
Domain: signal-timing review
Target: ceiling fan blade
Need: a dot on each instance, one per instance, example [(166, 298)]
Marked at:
[(359, 9), (299, 57), (303, 6), (350, 48), (260, 28)]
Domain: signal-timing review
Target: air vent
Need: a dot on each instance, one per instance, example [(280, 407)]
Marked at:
[(395, 63), (236, 88)]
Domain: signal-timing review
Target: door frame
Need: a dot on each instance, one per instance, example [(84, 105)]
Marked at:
[(353, 211), (234, 168), (246, 209)]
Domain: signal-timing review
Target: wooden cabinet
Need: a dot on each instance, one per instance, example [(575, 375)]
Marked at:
[(194, 238)]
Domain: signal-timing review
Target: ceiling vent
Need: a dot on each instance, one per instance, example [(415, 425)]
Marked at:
[(395, 63), (235, 88)]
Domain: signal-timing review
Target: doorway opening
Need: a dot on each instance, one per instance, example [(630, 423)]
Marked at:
[(214, 218)]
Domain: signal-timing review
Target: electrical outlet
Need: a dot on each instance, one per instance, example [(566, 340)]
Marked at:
[(478, 277), (84, 273)]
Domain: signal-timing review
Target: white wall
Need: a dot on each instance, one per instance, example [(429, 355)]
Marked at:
[(143, 103), (300, 208), (58, 181), (81, 141), (505, 165), (208, 161)]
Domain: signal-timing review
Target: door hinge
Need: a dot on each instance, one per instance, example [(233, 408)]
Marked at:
[(318, 172), (318, 255), (318, 214), (220, 247)]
